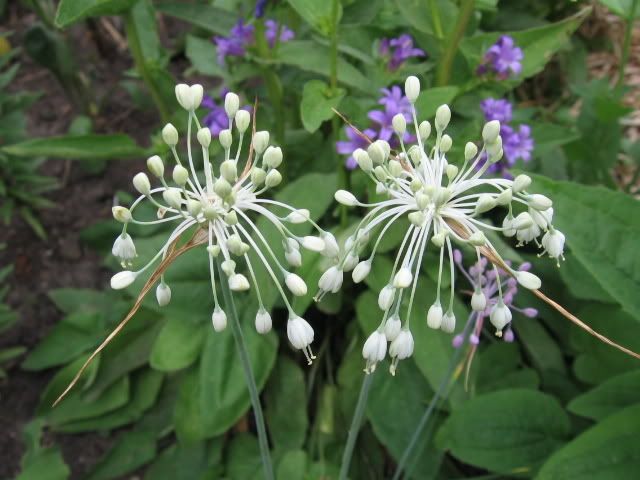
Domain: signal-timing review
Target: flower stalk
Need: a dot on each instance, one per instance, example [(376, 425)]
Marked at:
[(443, 73)]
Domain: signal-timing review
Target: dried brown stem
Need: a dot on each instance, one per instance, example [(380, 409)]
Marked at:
[(198, 238)]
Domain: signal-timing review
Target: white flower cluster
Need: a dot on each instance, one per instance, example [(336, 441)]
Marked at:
[(443, 203), (222, 205)]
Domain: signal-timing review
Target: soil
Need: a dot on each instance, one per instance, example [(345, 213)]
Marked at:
[(61, 260)]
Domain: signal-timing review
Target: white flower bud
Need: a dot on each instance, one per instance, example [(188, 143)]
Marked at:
[(361, 271), (451, 172), (490, 131), (273, 157), (194, 207), (293, 257), (400, 348), (434, 316), (213, 250), (141, 183), (163, 294), (238, 282), (350, 262), (184, 96), (300, 334), (123, 279), (500, 316), (399, 124), (222, 188), (528, 280), (121, 214), (485, 203), (478, 301), (225, 138), (542, 218), (295, 284), (170, 135), (539, 202), (273, 178), (412, 88), (477, 239), (204, 137), (395, 168), (260, 141), (424, 130), (197, 93), (331, 248), (231, 104), (345, 197), (522, 221), (445, 143), (331, 280), (443, 117), (448, 322), (231, 218), (438, 239), (392, 327), (263, 321), (219, 319), (403, 278), (229, 171), (301, 215), (228, 267), (312, 243), (508, 225), (243, 118), (376, 153), (385, 297), (505, 197), (258, 175), (553, 243), (363, 160), (180, 175), (374, 350), (173, 198), (470, 151), (520, 183), (155, 166), (417, 218)]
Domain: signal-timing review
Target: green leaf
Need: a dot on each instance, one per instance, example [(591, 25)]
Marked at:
[(506, 431), (212, 19), (601, 228), (606, 451), (610, 397), (78, 147), (183, 461), (72, 11), (286, 405), (538, 44), (293, 465), (132, 450), (317, 102), (317, 14), (500, 368), (243, 460), (420, 15), (178, 344), (38, 462), (431, 98), (202, 54), (622, 8)]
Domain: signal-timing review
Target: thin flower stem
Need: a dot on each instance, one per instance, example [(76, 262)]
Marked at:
[(356, 422), (443, 73), (238, 336)]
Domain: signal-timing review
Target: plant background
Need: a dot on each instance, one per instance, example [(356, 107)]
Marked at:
[(85, 89)]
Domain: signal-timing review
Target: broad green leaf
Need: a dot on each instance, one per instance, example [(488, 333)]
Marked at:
[(622, 8), (178, 344), (317, 102), (422, 15), (132, 450), (202, 54), (606, 451), (286, 405), (500, 367), (78, 147), (601, 228), (190, 461), (549, 136), (539, 345), (293, 465), (318, 14), (72, 11), (506, 431), (38, 462), (431, 98), (143, 20), (208, 17), (538, 44), (609, 397), (243, 459)]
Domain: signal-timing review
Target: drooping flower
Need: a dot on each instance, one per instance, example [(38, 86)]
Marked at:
[(503, 58), (235, 44), (221, 211), (442, 202), (399, 50), (271, 33), (355, 141)]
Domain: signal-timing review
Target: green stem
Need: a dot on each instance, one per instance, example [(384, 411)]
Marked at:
[(241, 345), (443, 73), (133, 39), (435, 19), (626, 46), (271, 80), (355, 426)]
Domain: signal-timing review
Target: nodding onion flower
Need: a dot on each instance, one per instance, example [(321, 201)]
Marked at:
[(443, 203), (222, 206)]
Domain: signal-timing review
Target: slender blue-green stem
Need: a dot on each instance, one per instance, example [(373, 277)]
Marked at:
[(241, 345), (442, 388), (355, 425)]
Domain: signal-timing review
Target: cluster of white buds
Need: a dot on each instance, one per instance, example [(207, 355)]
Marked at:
[(223, 206), (443, 203)]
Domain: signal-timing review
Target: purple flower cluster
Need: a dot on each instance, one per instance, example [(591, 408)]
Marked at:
[(503, 58), (483, 277), (394, 102), (398, 50), (242, 36), (217, 120), (516, 143)]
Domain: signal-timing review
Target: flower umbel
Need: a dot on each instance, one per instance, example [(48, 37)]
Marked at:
[(221, 208), (443, 203)]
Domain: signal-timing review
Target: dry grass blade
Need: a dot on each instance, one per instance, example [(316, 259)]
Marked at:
[(355, 129), (198, 238), (495, 259)]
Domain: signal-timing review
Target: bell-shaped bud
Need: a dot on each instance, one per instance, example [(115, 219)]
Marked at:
[(363, 160), (155, 166), (477, 239), (170, 135), (448, 322), (424, 130), (257, 176), (222, 188), (194, 207), (528, 280), (331, 280), (272, 157), (478, 301), (243, 118), (395, 168), (451, 171), (417, 218), (376, 153), (121, 214), (184, 96), (438, 239), (520, 183), (505, 197), (263, 321), (374, 350), (231, 104), (553, 243), (443, 117), (225, 138), (229, 171), (490, 131), (204, 137), (522, 221), (173, 198), (445, 143), (238, 282), (197, 92), (399, 124), (231, 218), (346, 198), (301, 215), (361, 271), (295, 284), (163, 294), (470, 151), (219, 319), (293, 257), (539, 202), (412, 88), (392, 327), (273, 178), (403, 278), (508, 226), (434, 316), (180, 175), (500, 316), (123, 279), (485, 203), (386, 297), (260, 141)]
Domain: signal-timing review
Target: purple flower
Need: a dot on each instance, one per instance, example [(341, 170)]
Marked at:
[(271, 32), (347, 147), (216, 120), (503, 58), (235, 44), (496, 109), (517, 144), (261, 5), (394, 102), (399, 50), (483, 276)]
